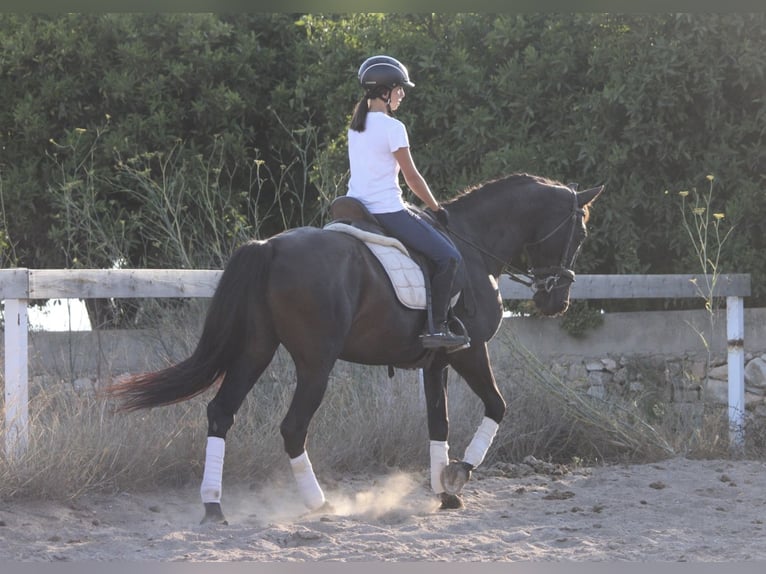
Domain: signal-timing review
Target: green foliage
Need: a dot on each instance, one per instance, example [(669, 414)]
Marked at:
[(580, 318), (176, 85), (640, 103)]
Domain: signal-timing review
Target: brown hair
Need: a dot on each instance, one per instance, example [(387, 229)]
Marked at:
[(359, 119)]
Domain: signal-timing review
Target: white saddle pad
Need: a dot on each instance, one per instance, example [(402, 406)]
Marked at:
[(405, 274)]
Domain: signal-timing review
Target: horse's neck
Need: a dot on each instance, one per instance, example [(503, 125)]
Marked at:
[(497, 229)]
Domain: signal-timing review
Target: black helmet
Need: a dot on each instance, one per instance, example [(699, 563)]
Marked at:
[(383, 71)]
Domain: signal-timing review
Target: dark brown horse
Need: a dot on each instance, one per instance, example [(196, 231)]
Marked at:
[(324, 297)]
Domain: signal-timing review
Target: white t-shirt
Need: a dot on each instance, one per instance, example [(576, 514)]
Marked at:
[(374, 170)]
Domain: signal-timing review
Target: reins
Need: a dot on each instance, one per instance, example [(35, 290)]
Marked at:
[(515, 273)]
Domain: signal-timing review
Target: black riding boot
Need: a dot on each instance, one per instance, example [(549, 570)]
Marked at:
[(439, 334)]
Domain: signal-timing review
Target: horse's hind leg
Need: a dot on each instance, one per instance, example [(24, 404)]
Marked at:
[(435, 389), (309, 391), (237, 382)]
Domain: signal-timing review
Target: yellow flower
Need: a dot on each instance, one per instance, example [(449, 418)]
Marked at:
[(718, 215), (683, 193), (710, 177), (698, 210), (80, 130)]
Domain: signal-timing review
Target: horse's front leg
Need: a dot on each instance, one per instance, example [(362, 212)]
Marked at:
[(473, 365), (435, 388), (458, 472)]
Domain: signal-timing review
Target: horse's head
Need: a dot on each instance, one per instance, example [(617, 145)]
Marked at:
[(553, 250)]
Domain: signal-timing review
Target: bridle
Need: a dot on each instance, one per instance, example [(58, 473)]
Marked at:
[(547, 278), (543, 278)]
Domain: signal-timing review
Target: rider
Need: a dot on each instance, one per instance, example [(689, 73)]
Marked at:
[(378, 148)]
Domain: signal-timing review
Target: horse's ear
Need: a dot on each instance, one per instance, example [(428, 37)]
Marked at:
[(586, 197)]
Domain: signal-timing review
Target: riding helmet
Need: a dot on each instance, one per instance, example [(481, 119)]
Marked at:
[(383, 71)]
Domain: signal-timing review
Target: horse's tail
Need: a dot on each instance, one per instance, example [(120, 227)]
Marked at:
[(222, 340)]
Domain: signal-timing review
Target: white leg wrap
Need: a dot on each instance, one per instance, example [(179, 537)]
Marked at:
[(210, 491), (311, 492), (439, 461), (481, 442)]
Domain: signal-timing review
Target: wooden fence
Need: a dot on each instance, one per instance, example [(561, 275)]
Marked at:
[(19, 286)]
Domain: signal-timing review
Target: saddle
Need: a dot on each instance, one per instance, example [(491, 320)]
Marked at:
[(408, 272), (353, 212)]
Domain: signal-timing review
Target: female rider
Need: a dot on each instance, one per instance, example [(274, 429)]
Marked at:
[(378, 149)]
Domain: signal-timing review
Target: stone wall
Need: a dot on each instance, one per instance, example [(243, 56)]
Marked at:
[(683, 381), (668, 357)]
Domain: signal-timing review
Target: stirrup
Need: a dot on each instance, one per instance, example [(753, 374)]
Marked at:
[(463, 331), (444, 338)]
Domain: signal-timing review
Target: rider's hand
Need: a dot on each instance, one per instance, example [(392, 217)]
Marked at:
[(442, 216)]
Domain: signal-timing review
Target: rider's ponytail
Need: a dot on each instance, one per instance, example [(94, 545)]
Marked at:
[(359, 119)]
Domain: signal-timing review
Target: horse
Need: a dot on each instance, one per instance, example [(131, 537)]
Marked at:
[(323, 297)]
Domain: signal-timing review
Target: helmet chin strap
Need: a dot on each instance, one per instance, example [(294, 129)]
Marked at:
[(385, 98)]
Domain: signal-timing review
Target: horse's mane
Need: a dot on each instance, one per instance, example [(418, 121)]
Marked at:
[(501, 183), (508, 179)]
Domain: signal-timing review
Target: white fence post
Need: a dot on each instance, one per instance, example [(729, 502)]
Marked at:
[(16, 373), (735, 334)]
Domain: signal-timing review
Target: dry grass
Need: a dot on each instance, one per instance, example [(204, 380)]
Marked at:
[(367, 422)]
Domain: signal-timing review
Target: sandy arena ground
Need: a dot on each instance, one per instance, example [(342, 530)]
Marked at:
[(675, 511)]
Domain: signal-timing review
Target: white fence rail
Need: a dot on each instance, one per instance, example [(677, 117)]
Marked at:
[(19, 286)]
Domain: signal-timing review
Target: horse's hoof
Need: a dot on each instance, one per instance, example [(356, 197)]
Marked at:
[(450, 501), (455, 475), (213, 513)]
